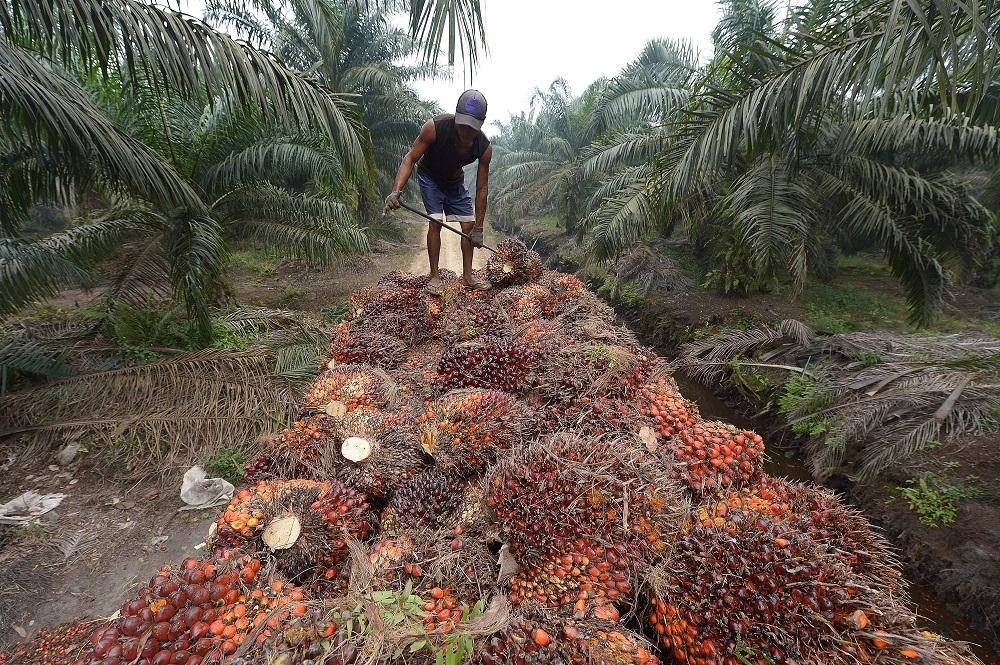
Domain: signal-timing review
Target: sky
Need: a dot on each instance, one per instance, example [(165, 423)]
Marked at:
[(532, 42)]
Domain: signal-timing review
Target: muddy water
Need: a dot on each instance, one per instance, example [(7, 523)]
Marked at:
[(934, 614)]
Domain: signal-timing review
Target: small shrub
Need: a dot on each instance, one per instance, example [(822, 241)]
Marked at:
[(935, 500)]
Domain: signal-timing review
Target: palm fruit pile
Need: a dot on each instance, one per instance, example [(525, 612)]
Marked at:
[(465, 430), (512, 263), (517, 453), (303, 524)]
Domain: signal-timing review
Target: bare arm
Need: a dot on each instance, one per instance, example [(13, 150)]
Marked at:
[(410, 159), (483, 186)]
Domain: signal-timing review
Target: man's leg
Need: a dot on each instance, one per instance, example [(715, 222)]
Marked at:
[(467, 250), (434, 250), (434, 199)]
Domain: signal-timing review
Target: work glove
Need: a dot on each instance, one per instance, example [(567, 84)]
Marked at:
[(393, 202), (476, 237)]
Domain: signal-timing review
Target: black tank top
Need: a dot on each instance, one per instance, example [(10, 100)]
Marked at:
[(442, 162)]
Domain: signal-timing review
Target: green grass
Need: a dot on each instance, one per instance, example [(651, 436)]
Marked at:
[(845, 307), (260, 262)]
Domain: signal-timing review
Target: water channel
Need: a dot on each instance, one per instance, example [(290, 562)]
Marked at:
[(934, 614)]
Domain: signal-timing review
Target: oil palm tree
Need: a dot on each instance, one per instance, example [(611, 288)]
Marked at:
[(632, 120), (548, 171), (56, 59), (807, 130), (352, 50)]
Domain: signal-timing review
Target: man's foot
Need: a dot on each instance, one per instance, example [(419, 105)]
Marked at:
[(434, 287), (477, 285)]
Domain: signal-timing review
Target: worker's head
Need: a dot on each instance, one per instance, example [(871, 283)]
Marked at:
[(471, 110)]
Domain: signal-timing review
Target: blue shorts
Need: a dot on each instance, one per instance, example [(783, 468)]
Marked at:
[(456, 203)]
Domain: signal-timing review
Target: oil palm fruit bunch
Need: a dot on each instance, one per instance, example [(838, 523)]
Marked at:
[(523, 304), (201, 612), (559, 282), (477, 319), (587, 580), (393, 561), (466, 429), (662, 401), (718, 596), (348, 388), (565, 492), (398, 312), (374, 453), (268, 466), (301, 523), (306, 440), (408, 280), (495, 363), (578, 306), (426, 500), (714, 455), (810, 510), (541, 336), (605, 370), (539, 637), (595, 417), (512, 263), (364, 346), (321, 634)]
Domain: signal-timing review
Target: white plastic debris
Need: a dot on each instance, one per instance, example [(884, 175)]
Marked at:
[(199, 492), (29, 506)]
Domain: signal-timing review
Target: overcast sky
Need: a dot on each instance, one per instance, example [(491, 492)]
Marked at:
[(531, 42)]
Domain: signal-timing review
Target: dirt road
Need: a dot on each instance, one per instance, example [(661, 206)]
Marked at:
[(451, 253)]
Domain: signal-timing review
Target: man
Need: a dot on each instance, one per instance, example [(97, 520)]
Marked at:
[(447, 143)]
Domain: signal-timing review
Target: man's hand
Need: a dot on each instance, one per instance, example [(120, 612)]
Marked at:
[(476, 237), (392, 202)]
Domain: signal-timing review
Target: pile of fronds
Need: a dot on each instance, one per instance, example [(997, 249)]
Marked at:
[(891, 393), (171, 410)]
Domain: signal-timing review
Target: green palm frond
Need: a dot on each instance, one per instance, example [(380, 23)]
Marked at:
[(183, 54), (774, 216), (623, 216), (622, 150), (44, 109), (309, 227), (953, 134), (460, 20), (275, 160)]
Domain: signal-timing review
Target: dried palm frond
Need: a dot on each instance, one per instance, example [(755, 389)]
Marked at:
[(890, 394), (172, 410), (650, 271), (710, 359)]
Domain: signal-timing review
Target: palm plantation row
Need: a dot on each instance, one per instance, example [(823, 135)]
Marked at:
[(162, 141), (827, 128)]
